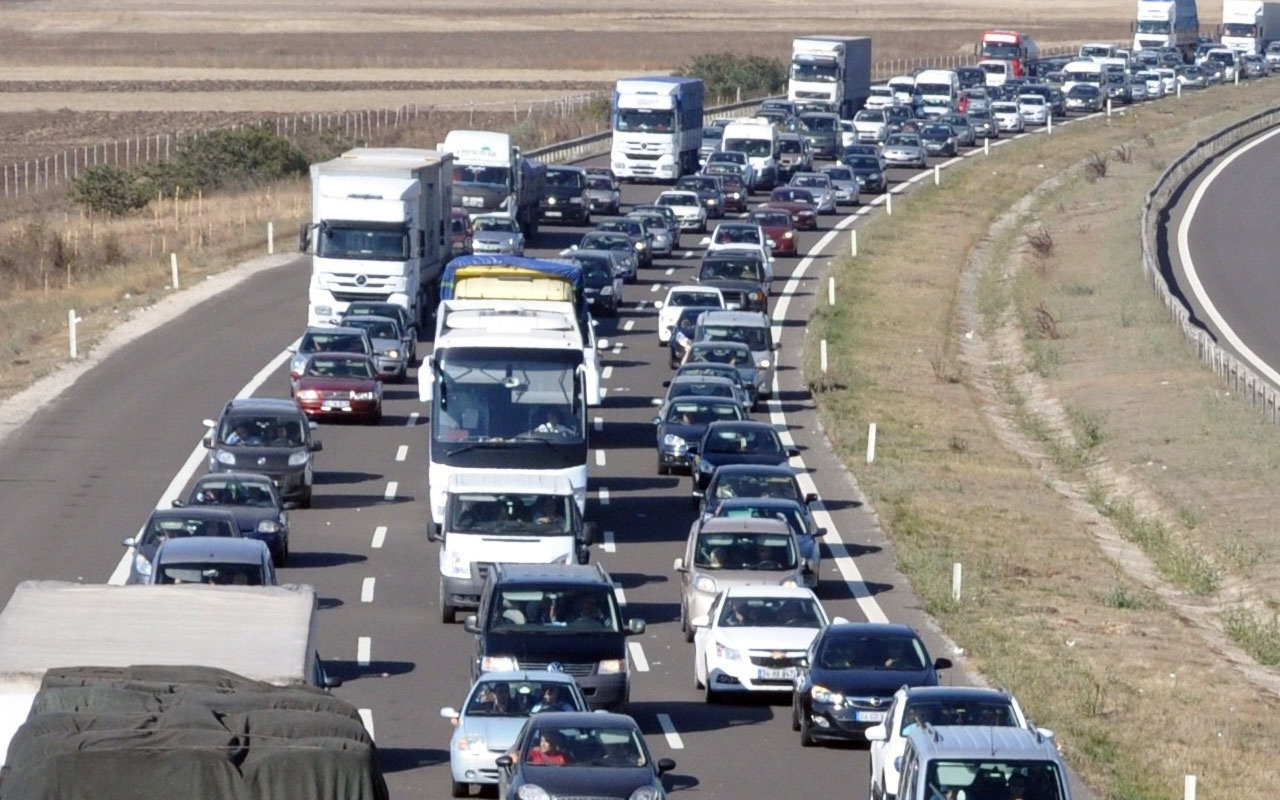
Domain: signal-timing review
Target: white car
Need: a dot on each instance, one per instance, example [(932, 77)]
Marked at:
[(743, 236), (1034, 109), (872, 126), (1155, 86), (738, 158), (820, 184), (848, 134), (678, 299), (881, 96), (935, 705), (753, 638), (688, 208), (1007, 116), (1168, 79)]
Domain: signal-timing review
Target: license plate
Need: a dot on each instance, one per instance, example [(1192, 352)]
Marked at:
[(336, 405), (786, 673), (553, 213), (869, 716)]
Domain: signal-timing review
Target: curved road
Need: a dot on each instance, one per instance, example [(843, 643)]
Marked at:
[(86, 470)]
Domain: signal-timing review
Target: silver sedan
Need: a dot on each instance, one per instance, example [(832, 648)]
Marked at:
[(496, 234), (905, 150)]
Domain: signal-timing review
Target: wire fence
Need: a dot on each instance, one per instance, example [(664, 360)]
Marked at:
[(1235, 373)]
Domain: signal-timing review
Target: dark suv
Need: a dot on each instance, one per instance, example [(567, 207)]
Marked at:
[(565, 197), (270, 436), (534, 615)]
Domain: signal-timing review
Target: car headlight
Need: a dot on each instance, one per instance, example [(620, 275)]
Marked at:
[(607, 290), (575, 201), (141, 565), (226, 458), (612, 666), (821, 694), (763, 363), (704, 583), (713, 202), (269, 526), (673, 442), (458, 566), (727, 653), (308, 394), (707, 467), (532, 791), (551, 201), (897, 764), (511, 243), (789, 235), (368, 395), (757, 296), (324, 311), (299, 458), (641, 245), (646, 793), (498, 664), (736, 195), (297, 364), (392, 353), (875, 176), (472, 743)]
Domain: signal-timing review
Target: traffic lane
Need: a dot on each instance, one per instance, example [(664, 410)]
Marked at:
[(1231, 239), (85, 471)]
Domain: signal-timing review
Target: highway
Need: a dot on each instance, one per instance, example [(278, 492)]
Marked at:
[(86, 470)]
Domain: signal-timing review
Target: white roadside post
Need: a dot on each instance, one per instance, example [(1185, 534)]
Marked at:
[(72, 321), (888, 203), (1108, 107), (937, 174), (853, 243), (871, 443), (1188, 787), (831, 290), (1049, 125), (271, 238), (956, 573), (986, 145), (173, 271), (822, 357)]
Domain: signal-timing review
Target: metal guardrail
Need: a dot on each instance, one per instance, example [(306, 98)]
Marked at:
[(1235, 373)]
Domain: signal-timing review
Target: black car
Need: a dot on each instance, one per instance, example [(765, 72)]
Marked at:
[(743, 442), (640, 238), (535, 615), (849, 676), (939, 140), (174, 523), (709, 190), (252, 499), (565, 197), (271, 436), (740, 277), (601, 284), (684, 420), (753, 480), (580, 754), (869, 172), (713, 370)]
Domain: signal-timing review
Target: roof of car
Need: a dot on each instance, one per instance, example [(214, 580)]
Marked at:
[(864, 628), (985, 742), (744, 525), (584, 719), (550, 573), (228, 477), (761, 590), (756, 469), (222, 549), (956, 692), (742, 424), (274, 405), (190, 512), (723, 316)]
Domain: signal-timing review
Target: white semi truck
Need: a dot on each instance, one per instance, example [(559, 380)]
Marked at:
[(1247, 25), (260, 633), (492, 176), (831, 69), (379, 230), (1166, 23), (657, 127)]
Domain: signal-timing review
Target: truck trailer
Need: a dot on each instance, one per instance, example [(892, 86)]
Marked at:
[(831, 69), (492, 176), (1166, 23), (379, 230), (1247, 25), (657, 127)]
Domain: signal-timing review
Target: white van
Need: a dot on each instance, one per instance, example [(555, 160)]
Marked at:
[(938, 88), (758, 138), (507, 517)]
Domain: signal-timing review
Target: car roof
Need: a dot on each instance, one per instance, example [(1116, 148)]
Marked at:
[(360, 319), (723, 316), (982, 742), (721, 343), (274, 405), (227, 477), (756, 469), (770, 525), (757, 502), (225, 549), (190, 512), (761, 590), (584, 719), (708, 379), (741, 424), (956, 692), (872, 628), (551, 573)]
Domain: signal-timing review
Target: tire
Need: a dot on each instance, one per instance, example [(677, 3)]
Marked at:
[(685, 627), (795, 716), (806, 732), (281, 558), (305, 500), (663, 469), (459, 789), (448, 613), (711, 698)]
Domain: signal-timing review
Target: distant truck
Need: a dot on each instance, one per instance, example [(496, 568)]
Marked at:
[(491, 175), (1014, 48), (657, 127), (1247, 25), (379, 230), (831, 69), (260, 633), (1167, 23)]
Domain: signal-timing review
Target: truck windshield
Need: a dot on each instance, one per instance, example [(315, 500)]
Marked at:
[(365, 243), (1072, 76), (494, 176), (647, 120), (754, 148), (814, 72), (1005, 51), (1237, 29)]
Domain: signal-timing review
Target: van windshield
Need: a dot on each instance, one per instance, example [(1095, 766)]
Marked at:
[(994, 778), (574, 609), (527, 515)]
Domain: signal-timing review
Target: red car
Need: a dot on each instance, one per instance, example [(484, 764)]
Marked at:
[(339, 385), (799, 203), (779, 227)]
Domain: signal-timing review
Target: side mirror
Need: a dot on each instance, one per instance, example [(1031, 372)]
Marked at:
[(666, 765), (677, 565), (657, 420), (317, 447), (590, 534), (635, 626), (692, 448), (811, 497), (700, 621), (658, 304), (942, 663), (470, 625), (505, 761), (449, 712), (178, 504), (706, 240), (128, 542), (207, 442), (877, 733), (666, 384), (819, 532)]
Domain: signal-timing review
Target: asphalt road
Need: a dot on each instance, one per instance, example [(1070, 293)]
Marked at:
[(86, 470)]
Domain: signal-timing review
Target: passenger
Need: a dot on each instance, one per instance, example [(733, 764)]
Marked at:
[(551, 700), (550, 749)]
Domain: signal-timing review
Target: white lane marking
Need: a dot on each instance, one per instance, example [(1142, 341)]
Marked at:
[(412, 420), (363, 647), (657, 287), (669, 731), (597, 423), (604, 392), (603, 496), (1193, 277), (671, 270), (379, 537), (366, 590), (366, 716), (628, 325), (637, 656), (402, 452), (609, 545), (121, 572), (606, 373), (617, 349), (390, 493), (599, 458)]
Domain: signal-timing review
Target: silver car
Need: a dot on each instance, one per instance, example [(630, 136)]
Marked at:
[(982, 124), (818, 183), (389, 353), (496, 234), (616, 241), (845, 184), (662, 241), (905, 150)]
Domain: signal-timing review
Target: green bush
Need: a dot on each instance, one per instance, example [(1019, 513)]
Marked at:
[(114, 191), (725, 74), (228, 159)]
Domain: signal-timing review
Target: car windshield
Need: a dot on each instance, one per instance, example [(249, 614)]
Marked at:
[(872, 651), (494, 698), (599, 182), (770, 612), (261, 430), (899, 140), (772, 219), (737, 235), (595, 270), (993, 777), (787, 194), (537, 610), (377, 329), (957, 711), (869, 116), (511, 514), (746, 551), (223, 492), (790, 146), (754, 337), (170, 527), (759, 148), (699, 412), (839, 174), (503, 224), (724, 269), (585, 747), (564, 177), (863, 162), (596, 242), (210, 572), (678, 200), (756, 441), (789, 514), (694, 300), (697, 388), (722, 355), (321, 366), (319, 341)]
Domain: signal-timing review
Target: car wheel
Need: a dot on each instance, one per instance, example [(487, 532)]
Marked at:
[(279, 559), (795, 714), (663, 469), (806, 732), (305, 500), (695, 502), (685, 627), (448, 611), (712, 698), (459, 789)]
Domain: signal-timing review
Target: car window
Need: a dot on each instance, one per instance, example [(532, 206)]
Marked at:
[(162, 530), (769, 612), (957, 712)]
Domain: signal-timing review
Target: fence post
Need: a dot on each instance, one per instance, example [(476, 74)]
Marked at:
[(72, 321)]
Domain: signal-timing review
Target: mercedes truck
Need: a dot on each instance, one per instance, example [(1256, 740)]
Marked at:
[(831, 69), (1247, 25), (1167, 23), (657, 127)]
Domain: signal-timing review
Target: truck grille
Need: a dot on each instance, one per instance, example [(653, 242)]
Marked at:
[(355, 297)]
